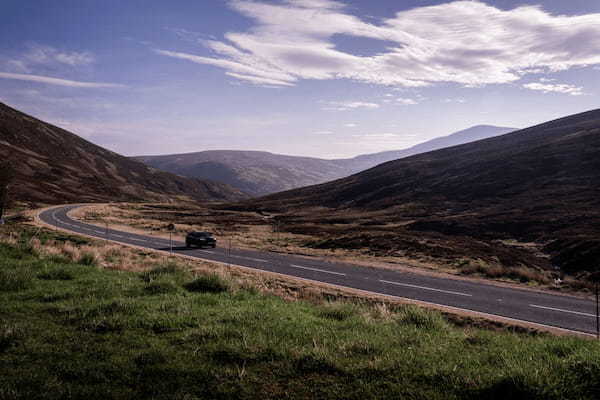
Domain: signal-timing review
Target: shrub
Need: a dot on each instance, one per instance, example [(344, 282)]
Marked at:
[(89, 258), (207, 284)]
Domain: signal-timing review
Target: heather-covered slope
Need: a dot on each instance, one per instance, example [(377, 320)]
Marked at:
[(540, 184), (55, 166), (254, 172)]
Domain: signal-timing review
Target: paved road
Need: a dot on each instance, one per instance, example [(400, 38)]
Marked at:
[(564, 312)]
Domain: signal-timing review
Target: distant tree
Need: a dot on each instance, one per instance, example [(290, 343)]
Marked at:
[(7, 174)]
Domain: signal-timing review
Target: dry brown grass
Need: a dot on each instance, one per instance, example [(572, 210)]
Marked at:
[(249, 230)]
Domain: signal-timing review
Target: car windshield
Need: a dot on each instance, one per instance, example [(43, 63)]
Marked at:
[(202, 234)]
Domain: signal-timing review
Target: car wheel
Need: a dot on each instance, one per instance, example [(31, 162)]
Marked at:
[(213, 246)]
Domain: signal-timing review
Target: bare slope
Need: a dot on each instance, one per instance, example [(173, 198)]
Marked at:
[(55, 166), (259, 173)]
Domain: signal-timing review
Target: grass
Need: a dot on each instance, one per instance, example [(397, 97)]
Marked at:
[(73, 330)]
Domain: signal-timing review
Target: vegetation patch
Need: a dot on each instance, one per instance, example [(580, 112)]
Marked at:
[(207, 284), (103, 332)]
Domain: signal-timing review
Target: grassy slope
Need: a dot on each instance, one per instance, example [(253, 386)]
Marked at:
[(74, 330)]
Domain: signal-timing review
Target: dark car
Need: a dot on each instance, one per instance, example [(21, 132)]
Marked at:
[(200, 239)]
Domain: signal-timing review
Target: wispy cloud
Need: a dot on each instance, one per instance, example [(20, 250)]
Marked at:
[(555, 88), (459, 100), (348, 105), (403, 101), (41, 55), (57, 81), (350, 125), (465, 42), (323, 133)]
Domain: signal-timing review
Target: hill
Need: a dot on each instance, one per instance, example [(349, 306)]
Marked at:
[(259, 173), (56, 166), (540, 185), (254, 172)]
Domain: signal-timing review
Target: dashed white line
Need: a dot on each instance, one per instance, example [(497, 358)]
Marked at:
[(561, 310), (317, 270), (426, 288), (207, 251)]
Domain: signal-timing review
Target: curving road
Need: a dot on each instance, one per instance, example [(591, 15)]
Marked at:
[(556, 311)]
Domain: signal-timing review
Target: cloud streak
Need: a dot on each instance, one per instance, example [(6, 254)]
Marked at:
[(58, 81), (349, 105), (468, 43), (555, 88)]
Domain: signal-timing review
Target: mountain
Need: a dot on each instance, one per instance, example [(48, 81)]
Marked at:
[(56, 166), (540, 184), (478, 132), (253, 172), (259, 173)]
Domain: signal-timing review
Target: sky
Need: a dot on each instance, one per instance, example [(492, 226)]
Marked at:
[(320, 78)]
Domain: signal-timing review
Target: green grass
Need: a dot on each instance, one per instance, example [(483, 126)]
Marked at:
[(76, 331)]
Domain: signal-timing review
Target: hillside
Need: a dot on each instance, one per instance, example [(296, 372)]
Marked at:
[(259, 173), (540, 184), (254, 172), (56, 166)]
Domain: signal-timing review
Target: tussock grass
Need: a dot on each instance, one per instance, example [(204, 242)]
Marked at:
[(207, 284)]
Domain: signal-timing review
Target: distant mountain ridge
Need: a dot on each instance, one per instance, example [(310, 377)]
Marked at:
[(259, 173), (253, 172), (478, 132), (56, 166)]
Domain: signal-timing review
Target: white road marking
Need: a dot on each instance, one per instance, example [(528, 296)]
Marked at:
[(100, 232), (426, 288), (249, 258), (207, 251), (137, 240), (118, 236), (561, 310), (318, 270)]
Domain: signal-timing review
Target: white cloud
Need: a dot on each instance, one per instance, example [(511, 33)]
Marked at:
[(57, 81), (350, 125), (555, 88), (459, 100), (406, 101), (465, 42), (39, 54), (349, 105)]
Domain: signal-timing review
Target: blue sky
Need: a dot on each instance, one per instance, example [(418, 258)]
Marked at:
[(319, 78)]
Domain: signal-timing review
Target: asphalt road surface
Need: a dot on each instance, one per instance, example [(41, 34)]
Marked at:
[(566, 312)]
